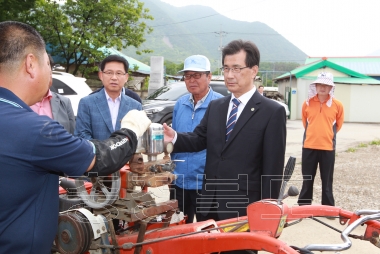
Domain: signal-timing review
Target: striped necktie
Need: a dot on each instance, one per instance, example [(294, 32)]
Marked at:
[(232, 117)]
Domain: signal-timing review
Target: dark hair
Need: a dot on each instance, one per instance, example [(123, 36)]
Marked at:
[(234, 47), (114, 58), (51, 60), (261, 86), (16, 41)]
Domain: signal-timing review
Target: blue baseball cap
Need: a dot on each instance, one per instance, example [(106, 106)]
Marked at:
[(196, 63)]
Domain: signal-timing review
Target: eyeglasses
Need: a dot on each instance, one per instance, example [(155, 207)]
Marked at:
[(118, 74), (226, 70), (195, 75)]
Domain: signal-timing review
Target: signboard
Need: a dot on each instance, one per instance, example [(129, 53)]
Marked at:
[(156, 73)]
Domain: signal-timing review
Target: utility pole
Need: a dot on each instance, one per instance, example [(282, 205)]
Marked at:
[(221, 34), (274, 69)]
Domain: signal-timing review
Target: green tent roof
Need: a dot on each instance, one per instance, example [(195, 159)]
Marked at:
[(369, 66), (350, 80), (369, 59), (355, 77), (141, 66)]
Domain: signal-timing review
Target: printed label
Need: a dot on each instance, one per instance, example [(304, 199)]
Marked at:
[(157, 135)]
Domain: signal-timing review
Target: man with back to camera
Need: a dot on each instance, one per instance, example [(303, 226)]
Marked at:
[(245, 137), (99, 113), (188, 112), (322, 118), (34, 149)]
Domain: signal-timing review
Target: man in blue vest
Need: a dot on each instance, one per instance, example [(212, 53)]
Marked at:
[(188, 112)]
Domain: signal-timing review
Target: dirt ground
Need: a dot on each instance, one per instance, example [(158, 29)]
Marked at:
[(356, 178), (356, 181)]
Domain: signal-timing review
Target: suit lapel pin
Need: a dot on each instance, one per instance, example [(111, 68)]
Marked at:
[(252, 109)]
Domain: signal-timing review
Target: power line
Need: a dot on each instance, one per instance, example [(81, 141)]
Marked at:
[(185, 21), (259, 33), (221, 34), (168, 35)]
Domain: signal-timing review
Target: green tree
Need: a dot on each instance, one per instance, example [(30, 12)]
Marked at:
[(10, 9), (76, 30), (173, 68)]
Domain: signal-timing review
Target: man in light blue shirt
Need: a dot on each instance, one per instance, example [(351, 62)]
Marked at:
[(188, 112)]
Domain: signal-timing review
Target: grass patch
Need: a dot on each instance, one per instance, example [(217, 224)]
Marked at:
[(375, 142), (351, 150), (362, 145)]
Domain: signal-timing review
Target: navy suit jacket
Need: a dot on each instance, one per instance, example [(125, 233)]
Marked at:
[(246, 168), (94, 117)]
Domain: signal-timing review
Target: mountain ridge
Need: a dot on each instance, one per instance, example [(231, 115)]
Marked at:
[(183, 31)]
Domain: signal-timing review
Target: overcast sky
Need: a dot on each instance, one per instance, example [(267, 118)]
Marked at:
[(317, 27)]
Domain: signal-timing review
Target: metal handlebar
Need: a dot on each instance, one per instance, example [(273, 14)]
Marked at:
[(374, 215)]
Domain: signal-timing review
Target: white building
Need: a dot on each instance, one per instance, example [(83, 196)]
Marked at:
[(359, 93)]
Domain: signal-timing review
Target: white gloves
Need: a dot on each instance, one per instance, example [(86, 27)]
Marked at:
[(136, 121)]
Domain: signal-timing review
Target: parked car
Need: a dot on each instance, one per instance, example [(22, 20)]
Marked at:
[(160, 104), (70, 86), (287, 112)]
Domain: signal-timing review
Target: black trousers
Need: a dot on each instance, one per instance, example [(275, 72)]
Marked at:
[(310, 160), (187, 201)]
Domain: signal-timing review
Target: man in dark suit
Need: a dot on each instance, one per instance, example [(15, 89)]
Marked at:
[(245, 148), (261, 90)]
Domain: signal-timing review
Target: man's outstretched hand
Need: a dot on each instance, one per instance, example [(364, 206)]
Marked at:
[(169, 133)]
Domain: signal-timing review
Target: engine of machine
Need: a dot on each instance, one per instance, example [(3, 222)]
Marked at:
[(89, 205)]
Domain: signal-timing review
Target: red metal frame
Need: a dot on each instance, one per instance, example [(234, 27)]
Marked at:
[(266, 220), (259, 230)]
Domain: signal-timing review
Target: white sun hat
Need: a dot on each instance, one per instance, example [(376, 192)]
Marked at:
[(325, 78), (196, 63)]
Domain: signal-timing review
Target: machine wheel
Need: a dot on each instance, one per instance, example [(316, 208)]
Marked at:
[(105, 190), (74, 235)]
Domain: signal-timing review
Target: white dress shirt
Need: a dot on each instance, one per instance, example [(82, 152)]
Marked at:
[(243, 101), (114, 107)]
